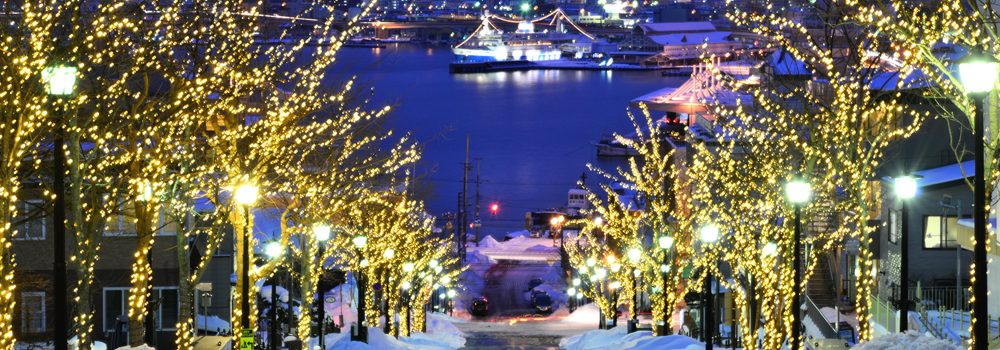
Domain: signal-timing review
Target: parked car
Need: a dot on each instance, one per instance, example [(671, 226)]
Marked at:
[(535, 233), (541, 301), (535, 283), (480, 306)]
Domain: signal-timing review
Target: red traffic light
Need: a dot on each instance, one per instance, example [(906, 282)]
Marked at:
[(494, 208)]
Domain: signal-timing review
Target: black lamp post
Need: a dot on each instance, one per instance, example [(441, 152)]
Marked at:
[(635, 257), (906, 188), (709, 234), (360, 333), (978, 71), (246, 195), (322, 233), (60, 83), (666, 243), (798, 193), (274, 252)]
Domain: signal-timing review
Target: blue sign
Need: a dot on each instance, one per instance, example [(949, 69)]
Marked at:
[(377, 286)]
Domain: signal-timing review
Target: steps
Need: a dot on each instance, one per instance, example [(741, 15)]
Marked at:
[(820, 287)]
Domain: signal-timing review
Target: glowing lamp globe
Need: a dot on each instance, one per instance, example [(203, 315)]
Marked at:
[(709, 233), (60, 80), (405, 285), (579, 295), (906, 187), (978, 72), (571, 291), (322, 232), (798, 191), (273, 249), (433, 264), (591, 262), (615, 285), (601, 273), (664, 268), (598, 221), (360, 241), (615, 267), (364, 263), (446, 279), (576, 281), (389, 253), (451, 293), (666, 242), (525, 7), (593, 278), (437, 268), (636, 273), (770, 249), (246, 194), (407, 267), (634, 255)]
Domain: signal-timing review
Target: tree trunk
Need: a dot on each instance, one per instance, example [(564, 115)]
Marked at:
[(86, 234), (184, 332), (142, 274), (307, 265)]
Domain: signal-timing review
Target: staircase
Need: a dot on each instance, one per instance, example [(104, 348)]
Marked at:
[(820, 286)]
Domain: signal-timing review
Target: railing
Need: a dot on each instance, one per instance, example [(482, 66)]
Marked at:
[(946, 297), (825, 329), (883, 314)]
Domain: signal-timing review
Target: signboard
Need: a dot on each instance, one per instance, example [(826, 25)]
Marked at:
[(330, 299), (377, 286), (853, 247), (246, 339)]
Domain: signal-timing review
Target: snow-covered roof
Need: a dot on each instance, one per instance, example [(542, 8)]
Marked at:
[(690, 38), (890, 81), (675, 27), (785, 64), (947, 173)]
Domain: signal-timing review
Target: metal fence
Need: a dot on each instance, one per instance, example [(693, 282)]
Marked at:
[(884, 314), (947, 297)]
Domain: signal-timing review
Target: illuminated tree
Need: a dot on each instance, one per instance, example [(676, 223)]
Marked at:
[(821, 111), (633, 225)]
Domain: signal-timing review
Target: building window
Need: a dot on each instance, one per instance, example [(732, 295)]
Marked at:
[(940, 232), (165, 317), (894, 226), (33, 312), (121, 219), (33, 226)]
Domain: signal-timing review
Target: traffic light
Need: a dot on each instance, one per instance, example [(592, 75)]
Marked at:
[(494, 208)]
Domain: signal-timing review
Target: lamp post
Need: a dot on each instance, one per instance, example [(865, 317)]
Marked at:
[(666, 243), (60, 83), (634, 256), (978, 71), (360, 333), (273, 251), (322, 233), (798, 193), (709, 234), (556, 228), (408, 269), (246, 195), (906, 188)]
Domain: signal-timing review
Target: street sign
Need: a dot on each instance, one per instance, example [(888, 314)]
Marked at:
[(246, 339), (377, 286)]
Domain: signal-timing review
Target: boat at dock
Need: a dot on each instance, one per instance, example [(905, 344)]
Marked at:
[(610, 146), (489, 44)]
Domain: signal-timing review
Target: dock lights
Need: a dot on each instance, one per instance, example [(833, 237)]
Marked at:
[(321, 232)]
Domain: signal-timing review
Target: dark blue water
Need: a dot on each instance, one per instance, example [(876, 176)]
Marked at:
[(533, 129)]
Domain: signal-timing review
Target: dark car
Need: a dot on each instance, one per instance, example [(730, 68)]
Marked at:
[(535, 283), (541, 301), (480, 306)]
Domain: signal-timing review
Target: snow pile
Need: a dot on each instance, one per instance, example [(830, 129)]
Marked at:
[(265, 292), (140, 347), (437, 339), (439, 326), (589, 313), (478, 262), (618, 338), (93, 346), (516, 234), (907, 341), (516, 240), (490, 243), (213, 324), (541, 248)]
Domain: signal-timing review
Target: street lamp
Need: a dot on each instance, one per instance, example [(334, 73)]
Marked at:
[(798, 191), (360, 332), (666, 242), (978, 71), (709, 234), (906, 188), (322, 234), (60, 80), (634, 256), (246, 195), (273, 250), (407, 268)]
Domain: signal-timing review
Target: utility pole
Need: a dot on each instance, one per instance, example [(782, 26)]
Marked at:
[(465, 202), (478, 197), (459, 250)]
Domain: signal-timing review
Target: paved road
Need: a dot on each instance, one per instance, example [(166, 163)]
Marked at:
[(532, 335), (505, 286)]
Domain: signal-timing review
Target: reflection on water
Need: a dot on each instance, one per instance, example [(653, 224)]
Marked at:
[(532, 128)]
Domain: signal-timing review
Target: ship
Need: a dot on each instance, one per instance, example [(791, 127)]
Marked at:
[(488, 43)]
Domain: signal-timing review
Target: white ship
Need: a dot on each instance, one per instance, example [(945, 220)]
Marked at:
[(489, 43)]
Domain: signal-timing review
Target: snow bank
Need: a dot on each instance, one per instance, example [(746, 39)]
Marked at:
[(490, 243), (440, 338), (541, 248), (140, 347), (265, 291), (93, 346), (589, 313), (439, 326), (618, 338), (907, 341), (516, 234), (213, 324)]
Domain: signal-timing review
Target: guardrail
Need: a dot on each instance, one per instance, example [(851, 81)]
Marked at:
[(946, 297)]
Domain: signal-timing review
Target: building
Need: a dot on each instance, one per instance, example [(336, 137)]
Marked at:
[(679, 43)]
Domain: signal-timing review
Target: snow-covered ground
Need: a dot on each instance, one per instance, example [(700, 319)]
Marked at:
[(521, 247), (910, 340), (213, 324), (441, 335), (617, 338)]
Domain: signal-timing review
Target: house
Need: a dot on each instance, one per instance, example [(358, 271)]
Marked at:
[(680, 43)]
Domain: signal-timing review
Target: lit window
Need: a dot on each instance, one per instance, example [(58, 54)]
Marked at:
[(940, 233)]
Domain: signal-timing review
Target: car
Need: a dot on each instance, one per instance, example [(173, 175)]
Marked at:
[(541, 301), (535, 234), (480, 306), (535, 283)]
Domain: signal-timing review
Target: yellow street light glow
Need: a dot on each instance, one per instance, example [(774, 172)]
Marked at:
[(60, 79), (666, 242), (322, 232), (407, 267), (360, 241), (273, 249), (246, 194), (798, 191), (906, 187), (978, 76), (709, 233)]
